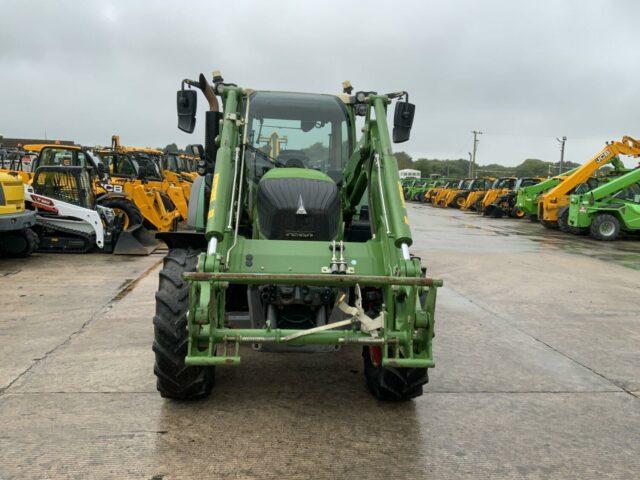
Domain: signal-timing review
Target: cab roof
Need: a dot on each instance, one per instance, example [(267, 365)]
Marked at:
[(37, 147)]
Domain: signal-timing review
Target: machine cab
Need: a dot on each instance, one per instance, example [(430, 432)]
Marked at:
[(297, 146)]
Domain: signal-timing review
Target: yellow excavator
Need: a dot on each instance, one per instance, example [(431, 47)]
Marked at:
[(553, 205), (17, 239), (17, 162)]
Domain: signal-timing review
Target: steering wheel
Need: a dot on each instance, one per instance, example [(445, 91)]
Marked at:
[(295, 163)]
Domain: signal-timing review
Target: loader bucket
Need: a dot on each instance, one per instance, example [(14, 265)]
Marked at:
[(135, 241)]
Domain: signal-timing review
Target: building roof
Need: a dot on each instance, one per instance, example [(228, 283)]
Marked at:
[(21, 142)]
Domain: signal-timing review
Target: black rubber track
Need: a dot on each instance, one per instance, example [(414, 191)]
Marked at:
[(174, 378), (393, 384), (30, 239)]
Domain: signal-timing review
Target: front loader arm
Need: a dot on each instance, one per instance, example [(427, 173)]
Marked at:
[(220, 201), (373, 167)]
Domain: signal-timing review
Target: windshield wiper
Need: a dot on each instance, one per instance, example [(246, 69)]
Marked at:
[(277, 163)]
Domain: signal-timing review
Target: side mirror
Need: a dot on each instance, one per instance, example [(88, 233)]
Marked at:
[(187, 103), (402, 121)]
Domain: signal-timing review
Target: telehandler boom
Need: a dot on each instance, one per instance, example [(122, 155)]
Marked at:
[(305, 248), (555, 202)]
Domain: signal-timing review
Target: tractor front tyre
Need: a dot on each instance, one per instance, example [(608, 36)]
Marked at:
[(390, 383), (19, 243), (175, 379), (458, 202), (605, 227), (130, 214)]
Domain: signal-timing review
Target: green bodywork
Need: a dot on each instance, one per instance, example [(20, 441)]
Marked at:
[(619, 197), (416, 187), (370, 176), (527, 197)]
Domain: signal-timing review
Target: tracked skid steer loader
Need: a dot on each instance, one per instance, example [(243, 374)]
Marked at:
[(301, 247)]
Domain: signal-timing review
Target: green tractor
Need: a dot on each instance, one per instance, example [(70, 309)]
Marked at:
[(300, 241), (415, 191), (608, 210)]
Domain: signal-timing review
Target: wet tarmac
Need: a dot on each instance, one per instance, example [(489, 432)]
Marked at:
[(537, 377)]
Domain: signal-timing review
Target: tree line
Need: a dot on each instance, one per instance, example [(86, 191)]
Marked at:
[(459, 168)]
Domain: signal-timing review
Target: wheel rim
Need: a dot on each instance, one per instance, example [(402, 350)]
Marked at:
[(460, 201), (125, 222), (607, 228), (519, 213)]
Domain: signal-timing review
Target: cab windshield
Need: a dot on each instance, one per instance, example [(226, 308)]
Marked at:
[(63, 157), (146, 166), (171, 163), (297, 130)]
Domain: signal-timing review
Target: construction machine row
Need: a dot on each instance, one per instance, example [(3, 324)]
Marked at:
[(75, 199), (600, 198), (287, 230)]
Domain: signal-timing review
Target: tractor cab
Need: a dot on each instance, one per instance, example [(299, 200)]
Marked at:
[(297, 147), (297, 130)]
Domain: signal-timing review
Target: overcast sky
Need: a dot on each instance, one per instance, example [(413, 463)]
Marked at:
[(523, 72)]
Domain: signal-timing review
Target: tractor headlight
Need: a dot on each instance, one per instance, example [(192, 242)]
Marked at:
[(582, 210)]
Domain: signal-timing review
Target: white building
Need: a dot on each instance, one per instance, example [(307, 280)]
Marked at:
[(409, 173)]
